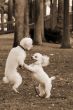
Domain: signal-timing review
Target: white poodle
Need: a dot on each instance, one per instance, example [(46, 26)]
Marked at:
[(16, 58), (45, 83)]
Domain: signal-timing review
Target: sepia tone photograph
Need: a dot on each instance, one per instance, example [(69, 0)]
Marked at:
[(36, 54)]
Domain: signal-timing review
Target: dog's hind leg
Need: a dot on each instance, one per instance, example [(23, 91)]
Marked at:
[(5, 80), (41, 90), (17, 83), (15, 88), (47, 91)]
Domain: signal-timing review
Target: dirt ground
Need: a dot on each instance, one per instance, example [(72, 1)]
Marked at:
[(61, 66)]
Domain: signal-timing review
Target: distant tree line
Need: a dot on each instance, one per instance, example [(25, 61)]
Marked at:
[(24, 9)]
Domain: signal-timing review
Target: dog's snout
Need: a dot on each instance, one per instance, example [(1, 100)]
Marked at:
[(31, 56)]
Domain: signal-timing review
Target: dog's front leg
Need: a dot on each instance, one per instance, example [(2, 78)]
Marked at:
[(28, 67)]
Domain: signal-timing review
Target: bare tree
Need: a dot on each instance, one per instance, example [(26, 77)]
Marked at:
[(60, 15), (43, 15), (26, 19), (44, 7), (10, 14), (38, 21), (20, 10), (2, 19), (53, 14), (31, 8), (66, 34), (72, 15)]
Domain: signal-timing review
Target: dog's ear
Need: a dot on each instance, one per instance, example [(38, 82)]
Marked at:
[(45, 60)]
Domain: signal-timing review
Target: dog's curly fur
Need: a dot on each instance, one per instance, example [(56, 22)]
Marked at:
[(45, 83), (16, 58)]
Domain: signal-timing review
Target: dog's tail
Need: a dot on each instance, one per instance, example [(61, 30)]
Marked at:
[(52, 78), (5, 80)]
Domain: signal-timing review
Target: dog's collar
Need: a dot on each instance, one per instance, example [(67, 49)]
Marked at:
[(22, 48)]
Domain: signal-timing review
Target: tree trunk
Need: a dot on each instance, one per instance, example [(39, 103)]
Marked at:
[(44, 7), (60, 16), (43, 15), (2, 20), (66, 34), (53, 15), (10, 14), (26, 19), (20, 9), (72, 15), (31, 11), (38, 32)]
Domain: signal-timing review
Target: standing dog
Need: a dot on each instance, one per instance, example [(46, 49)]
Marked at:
[(16, 58), (45, 83)]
